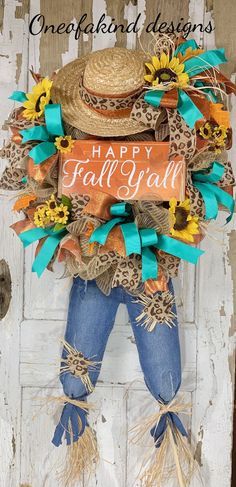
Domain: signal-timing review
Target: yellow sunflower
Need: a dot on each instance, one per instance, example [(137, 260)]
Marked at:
[(51, 205), (166, 73), (220, 134), (61, 214), (37, 100), (64, 144), (41, 219), (184, 225)]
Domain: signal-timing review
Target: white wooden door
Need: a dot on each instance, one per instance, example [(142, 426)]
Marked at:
[(31, 331)]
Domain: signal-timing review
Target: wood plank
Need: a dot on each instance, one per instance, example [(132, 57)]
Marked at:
[(215, 311), (224, 14), (13, 63)]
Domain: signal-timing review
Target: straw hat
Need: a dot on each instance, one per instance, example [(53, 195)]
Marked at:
[(97, 91)]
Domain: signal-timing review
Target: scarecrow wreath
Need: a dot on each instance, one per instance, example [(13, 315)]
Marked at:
[(173, 97)]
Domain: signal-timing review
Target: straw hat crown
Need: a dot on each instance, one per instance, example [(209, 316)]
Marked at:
[(97, 92), (114, 71)]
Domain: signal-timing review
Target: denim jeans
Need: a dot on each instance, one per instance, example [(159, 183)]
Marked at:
[(91, 317)]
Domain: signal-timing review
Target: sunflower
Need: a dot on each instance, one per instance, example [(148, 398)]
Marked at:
[(64, 144), (51, 205), (205, 131), (166, 73), (37, 100), (184, 225), (60, 214), (41, 219), (220, 134)]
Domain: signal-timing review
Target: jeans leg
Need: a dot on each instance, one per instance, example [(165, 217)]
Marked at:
[(159, 354), (91, 317)]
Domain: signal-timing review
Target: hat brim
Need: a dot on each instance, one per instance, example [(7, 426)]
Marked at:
[(65, 90)]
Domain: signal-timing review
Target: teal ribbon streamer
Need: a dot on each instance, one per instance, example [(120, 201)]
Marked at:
[(148, 238), (188, 110), (204, 61), (121, 208), (213, 196), (45, 134), (182, 48), (48, 248), (34, 133), (101, 233), (141, 242), (18, 96), (131, 238), (153, 97), (178, 249)]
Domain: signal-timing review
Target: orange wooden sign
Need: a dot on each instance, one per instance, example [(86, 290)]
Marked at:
[(125, 170)]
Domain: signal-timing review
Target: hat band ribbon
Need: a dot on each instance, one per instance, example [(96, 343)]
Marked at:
[(109, 106)]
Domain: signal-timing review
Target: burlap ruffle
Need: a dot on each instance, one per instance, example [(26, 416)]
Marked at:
[(152, 214), (16, 153)]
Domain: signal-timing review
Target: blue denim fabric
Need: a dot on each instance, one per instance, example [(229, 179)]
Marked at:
[(91, 317)]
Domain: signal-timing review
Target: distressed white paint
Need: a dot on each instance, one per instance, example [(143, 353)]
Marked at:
[(101, 41), (30, 352)]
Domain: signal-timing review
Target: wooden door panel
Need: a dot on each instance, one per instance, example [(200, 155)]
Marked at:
[(30, 334)]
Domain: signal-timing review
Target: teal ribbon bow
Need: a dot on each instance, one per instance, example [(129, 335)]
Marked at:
[(211, 193), (48, 248), (45, 134), (141, 242), (193, 66), (18, 96)]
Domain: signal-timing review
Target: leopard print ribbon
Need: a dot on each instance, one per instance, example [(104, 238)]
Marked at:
[(182, 138), (109, 105)]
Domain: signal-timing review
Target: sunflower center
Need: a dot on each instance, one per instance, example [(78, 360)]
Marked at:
[(61, 214), (218, 133), (37, 104), (206, 131), (165, 75), (52, 205), (64, 143), (181, 216)]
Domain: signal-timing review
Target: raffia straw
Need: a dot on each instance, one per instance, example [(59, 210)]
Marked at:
[(81, 460), (173, 455), (157, 44), (176, 457), (175, 406), (201, 89), (65, 399), (81, 456)]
